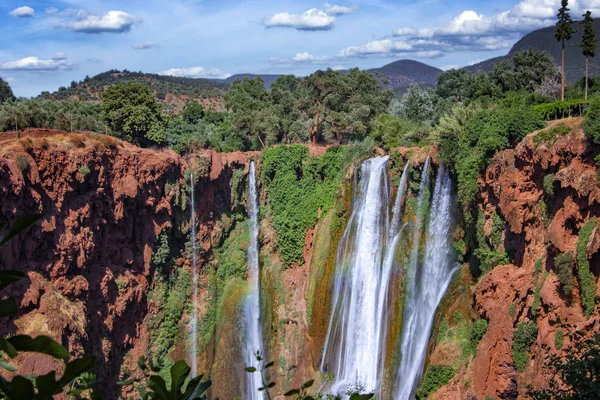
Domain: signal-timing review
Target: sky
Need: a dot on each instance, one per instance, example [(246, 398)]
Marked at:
[(49, 43)]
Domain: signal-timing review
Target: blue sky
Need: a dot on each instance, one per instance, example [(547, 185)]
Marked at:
[(49, 43)]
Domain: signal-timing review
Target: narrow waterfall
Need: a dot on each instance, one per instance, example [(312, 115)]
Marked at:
[(355, 337), (253, 342), (194, 322), (427, 283)]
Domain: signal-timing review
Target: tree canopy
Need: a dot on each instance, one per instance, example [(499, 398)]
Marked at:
[(6, 93)]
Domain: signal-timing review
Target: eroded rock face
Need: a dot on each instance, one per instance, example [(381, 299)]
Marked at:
[(513, 187), (104, 202)]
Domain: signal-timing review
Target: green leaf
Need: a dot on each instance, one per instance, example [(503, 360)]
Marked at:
[(8, 348), (18, 226), (269, 365), (357, 396), (292, 392), (270, 385), (199, 390), (10, 276), (126, 382), (250, 369), (308, 384), (8, 307), (21, 388), (76, 368), (142, 363), (41, 344), (179, 372), (158, 388), (7, 366)]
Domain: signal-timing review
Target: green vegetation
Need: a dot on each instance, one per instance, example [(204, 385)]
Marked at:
[(591, 125), (575, 376), (512, 310), (84, 170), (476, 331), (587, 280), (132, 110), (487, 255), (550, 136), (561, 109), (563, 264), (588, 44), (298, 186), (549, 185), (523, 338), (564, 32), (6, 93), (558, 339), (435, 377)]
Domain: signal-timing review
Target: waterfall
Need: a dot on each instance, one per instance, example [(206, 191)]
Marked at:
[(194, 322), (426, 285), (356, 333), (253, 329)]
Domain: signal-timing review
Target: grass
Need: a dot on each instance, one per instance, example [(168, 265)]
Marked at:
[(435, 377), (84, 170), (549, 136), (523, 338)]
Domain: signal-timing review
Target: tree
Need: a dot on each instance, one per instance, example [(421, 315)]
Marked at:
[(564, 32), (192, 112), (6, 93), (132, 110), (588, 44), (453, 84), (527, 70), (249, 103)]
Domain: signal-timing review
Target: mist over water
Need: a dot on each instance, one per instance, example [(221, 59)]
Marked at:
[(253, 340)]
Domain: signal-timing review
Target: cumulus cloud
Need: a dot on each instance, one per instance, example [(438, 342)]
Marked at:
[(111, 22), (196, 72), (146, 45), (471, 31), (312, 20), (51, 10), (58, 62), (23, 12), (307, 57)]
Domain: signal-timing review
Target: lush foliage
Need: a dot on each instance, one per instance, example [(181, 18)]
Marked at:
[(591, 125), (576, 376), (563, 263), (6, 93), (435, 377), (561, 109), (523, 338), (66, 115), (528, 70), (298, 186), (587, 281), (132, 110)]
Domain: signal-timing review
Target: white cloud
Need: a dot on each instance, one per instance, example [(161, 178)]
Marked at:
[(196, 72), (51, 10), (59, 56), (23, 12), (111, 22), (377, 47), (338, 10), (312, 20), (307, 57), (36, 64), (146, 45), (338, 68)]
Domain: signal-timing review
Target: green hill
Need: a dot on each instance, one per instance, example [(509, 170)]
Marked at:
[(174, 92)]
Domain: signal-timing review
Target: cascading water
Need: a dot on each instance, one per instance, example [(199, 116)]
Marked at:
[(356, 333), (253, 342), (194, 322), (426, 285)]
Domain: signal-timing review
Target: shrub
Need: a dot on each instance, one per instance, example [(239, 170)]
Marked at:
[(84, 170), (523, 338), (591, 125), (23, 164), (563, 263), (512, 310), (561, 109), (586, 278), (475, 332), (558, 339), (435, 377), (549, 184), (549, 136)]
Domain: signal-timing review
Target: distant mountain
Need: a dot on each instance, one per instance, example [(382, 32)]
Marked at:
[(172, 91), (404, 73), (543, 39)]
